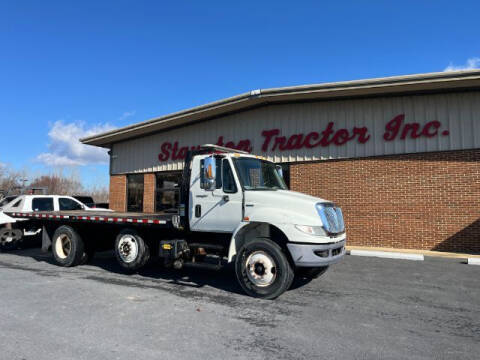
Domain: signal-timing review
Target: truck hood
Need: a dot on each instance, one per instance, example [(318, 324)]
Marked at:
[(289, 206)]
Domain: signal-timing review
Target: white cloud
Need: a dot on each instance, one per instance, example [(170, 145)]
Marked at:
[(65, 149), (472, 63), (127, 114)]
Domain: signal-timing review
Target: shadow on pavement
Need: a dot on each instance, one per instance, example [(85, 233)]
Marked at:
[(223, 279)]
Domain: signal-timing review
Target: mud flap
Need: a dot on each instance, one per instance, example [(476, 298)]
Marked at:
[(46, 240)]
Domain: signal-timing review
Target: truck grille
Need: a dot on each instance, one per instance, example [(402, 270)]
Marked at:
[(332, 218)]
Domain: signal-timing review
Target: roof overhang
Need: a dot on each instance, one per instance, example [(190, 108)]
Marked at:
[(430, 82)]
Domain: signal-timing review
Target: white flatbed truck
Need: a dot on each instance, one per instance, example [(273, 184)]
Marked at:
[(233, 207)]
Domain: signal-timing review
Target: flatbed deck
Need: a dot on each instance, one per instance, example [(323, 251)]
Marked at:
[(97, 216)]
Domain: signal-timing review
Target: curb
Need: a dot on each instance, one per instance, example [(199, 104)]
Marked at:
[(390, 255), (473, 261)]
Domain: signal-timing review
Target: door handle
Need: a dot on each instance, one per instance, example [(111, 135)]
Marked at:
[(201, 196), (198, 211), (225, 198)]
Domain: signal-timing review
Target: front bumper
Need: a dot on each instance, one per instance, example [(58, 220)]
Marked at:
[(313, 255)]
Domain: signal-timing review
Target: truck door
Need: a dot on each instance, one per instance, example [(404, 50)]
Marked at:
[(218, 210)]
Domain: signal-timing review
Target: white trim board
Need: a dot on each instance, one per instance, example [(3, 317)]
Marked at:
[(388, 255)]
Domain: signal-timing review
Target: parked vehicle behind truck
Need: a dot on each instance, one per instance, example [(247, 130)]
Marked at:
[(13, 231), (234, 207)]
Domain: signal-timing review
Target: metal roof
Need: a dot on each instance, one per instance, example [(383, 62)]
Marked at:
[(430, 82)]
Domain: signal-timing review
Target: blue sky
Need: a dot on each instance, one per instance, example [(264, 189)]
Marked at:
[(73, 68)]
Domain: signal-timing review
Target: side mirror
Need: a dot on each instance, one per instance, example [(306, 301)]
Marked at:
[(209, 173), (279, 170)]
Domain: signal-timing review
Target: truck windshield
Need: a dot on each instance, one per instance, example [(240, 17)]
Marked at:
[(256, 174)]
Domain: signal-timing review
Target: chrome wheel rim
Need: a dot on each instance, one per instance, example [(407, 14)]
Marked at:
[(128, 248), (261, 269), (63, 246)]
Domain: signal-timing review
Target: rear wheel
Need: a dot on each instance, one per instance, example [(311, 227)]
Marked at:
[(131, 251), (262, 269), (67, 246)]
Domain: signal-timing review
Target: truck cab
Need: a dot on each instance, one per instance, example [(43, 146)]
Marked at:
[(275, 233)]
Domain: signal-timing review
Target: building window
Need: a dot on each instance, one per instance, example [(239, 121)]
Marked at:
[(135, 192), (167, 191)]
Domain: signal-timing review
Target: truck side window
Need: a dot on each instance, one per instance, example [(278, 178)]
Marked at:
[(67, 204), (42, 204), (229, 185), (218, 180)]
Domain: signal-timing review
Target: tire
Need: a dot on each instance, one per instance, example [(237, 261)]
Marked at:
[(311, 272), (262, 269), (67, 246), (10, 239), (131, 251)]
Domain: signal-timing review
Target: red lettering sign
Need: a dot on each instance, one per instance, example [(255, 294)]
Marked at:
[(396, 127), (173, 152), (273, 140)]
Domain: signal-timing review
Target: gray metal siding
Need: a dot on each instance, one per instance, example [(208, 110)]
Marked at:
[(459, 113)]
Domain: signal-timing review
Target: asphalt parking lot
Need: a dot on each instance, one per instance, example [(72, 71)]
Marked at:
[(362, 308)]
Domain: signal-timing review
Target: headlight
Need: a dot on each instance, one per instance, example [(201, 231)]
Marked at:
[(312, 230), (332, 217)]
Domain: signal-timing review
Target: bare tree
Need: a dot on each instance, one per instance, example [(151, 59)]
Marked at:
[(98, 193), (61, 184), (11, 182), (58, 183)]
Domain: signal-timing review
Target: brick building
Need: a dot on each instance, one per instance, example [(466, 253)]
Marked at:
[(400, 155)]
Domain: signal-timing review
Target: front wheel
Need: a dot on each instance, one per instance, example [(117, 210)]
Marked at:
[(263, 269)]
